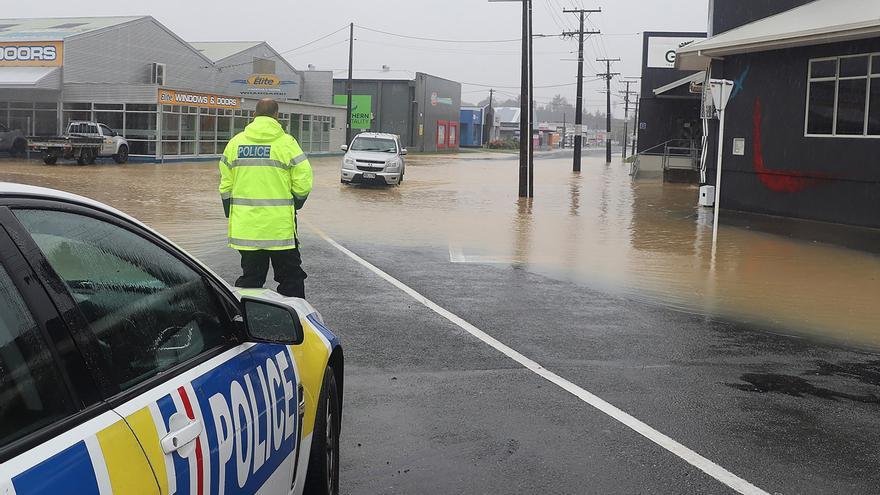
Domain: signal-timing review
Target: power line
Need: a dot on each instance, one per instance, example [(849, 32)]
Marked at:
[(438, 40), (322, 38)]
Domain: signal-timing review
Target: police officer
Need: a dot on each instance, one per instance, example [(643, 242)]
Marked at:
[(264, 178)]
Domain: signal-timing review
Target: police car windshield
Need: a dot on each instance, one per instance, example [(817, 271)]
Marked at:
[(374, 144)]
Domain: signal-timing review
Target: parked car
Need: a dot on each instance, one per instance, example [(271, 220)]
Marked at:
[(128, 366), (83, 141), (12, 141), (374, 158)]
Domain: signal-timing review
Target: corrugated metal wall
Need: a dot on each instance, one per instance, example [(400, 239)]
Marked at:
[(122, 55), (318, 87)]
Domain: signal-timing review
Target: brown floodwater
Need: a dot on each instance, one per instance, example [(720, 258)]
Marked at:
[(597, 228)]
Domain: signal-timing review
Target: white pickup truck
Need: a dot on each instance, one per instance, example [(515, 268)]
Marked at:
[(84, 141)]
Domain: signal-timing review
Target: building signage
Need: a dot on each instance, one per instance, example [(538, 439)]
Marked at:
[(264, 85), (31, 53), (361, 109), (661, 50), (172, 97), (438, 100)]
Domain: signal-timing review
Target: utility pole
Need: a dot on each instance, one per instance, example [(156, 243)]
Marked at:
[(524, 99), (608, 75), (626, 114), (636, 125), (579, 106), (350, 86), (531, 108), (489, 119)]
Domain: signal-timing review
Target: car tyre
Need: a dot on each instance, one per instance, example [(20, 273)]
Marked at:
[(122, 156), (50, 158), (84, 157), (322, 477)]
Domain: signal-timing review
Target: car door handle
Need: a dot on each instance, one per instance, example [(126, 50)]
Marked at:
[(182, 435)]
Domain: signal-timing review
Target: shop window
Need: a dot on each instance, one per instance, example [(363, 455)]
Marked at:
[(109, 106), (325, 141), (137, 107), (843, 96), (170, 127), (295, 120), (874, 107), (114, 120), (45, 123), (77, 106), (305, 141)]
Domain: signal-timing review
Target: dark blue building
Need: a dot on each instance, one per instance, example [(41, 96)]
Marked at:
[(472, 120)]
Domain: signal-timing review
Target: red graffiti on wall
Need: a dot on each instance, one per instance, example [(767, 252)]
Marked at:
[(789, 181)]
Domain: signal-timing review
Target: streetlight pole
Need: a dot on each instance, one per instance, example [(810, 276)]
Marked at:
[(350, 85)]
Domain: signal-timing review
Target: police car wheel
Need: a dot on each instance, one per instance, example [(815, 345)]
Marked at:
[(323, 473)]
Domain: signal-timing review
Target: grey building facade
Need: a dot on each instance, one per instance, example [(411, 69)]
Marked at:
[(802, 127), (424, 111), (170, 98)]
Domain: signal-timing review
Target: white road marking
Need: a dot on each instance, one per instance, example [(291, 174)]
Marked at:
[(703, 464), (456, 255)]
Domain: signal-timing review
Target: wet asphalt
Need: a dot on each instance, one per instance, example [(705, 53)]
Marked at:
[(431, 409)]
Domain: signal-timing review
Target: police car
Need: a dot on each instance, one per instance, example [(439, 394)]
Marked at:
[(128, 367)]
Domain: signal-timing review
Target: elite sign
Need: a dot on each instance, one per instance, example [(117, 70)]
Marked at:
[(31, 53), (661, 50)]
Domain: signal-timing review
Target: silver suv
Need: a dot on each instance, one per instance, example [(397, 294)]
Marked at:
[(373, 158)]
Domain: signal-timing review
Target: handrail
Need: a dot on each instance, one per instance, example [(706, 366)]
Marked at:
[(692, 150)]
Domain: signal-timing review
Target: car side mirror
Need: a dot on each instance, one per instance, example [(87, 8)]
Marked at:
[(403, 151), (344, 147), (271, 322)]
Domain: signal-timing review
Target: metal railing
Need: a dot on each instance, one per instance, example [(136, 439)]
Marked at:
[(671, 148)]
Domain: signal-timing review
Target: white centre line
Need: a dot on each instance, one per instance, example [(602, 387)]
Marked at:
[(703, 464)]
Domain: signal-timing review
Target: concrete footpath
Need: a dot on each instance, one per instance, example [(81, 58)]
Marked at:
[(429, 408)]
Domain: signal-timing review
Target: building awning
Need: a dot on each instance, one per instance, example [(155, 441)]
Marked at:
[(818, 22), (30, 77), (693, 78)]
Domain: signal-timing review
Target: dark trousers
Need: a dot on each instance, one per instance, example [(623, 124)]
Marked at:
[(286, 264)]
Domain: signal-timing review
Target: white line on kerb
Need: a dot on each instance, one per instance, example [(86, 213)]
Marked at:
[(714, 470)]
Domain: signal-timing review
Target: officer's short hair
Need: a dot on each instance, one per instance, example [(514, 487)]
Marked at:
[(267, 107)]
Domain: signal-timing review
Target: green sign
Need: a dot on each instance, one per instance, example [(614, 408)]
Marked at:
[(361, 109)]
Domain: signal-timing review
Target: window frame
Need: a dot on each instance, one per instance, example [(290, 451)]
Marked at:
[(80, 391), (870, 78), (111, 392)]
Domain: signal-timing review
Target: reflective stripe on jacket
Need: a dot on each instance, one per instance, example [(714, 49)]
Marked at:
[(265, 174)]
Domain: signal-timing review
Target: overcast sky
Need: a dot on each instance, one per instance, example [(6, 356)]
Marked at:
[(289, 24)]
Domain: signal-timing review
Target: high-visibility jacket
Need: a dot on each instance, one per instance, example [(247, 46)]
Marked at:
[(266, 176)]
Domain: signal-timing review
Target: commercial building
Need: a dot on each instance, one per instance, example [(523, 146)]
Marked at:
[(171, 99), (472, 124), (669, 112), (802, 129), (424, 111)]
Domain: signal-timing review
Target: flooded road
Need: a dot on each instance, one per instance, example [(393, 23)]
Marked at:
[(643, 239)]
